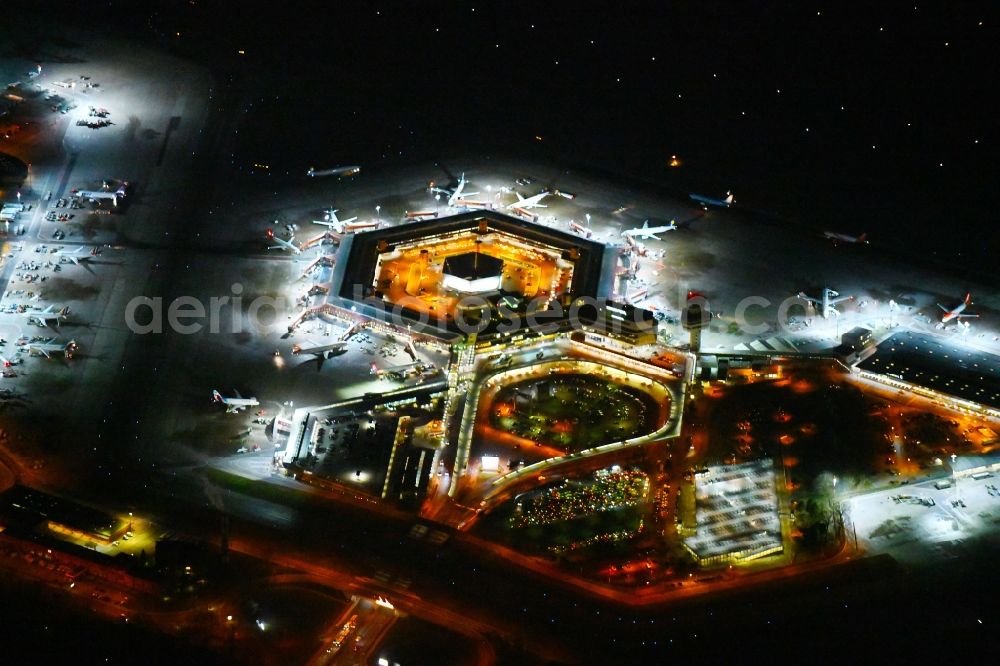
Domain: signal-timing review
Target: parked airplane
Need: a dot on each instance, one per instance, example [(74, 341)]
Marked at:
[(93, 195), (530, 202), (711, 201), (646, 232), (235, 404), (957, 311), (47, 316), (331, 221), (75, 256), (283, 244), (845, 238), (456, 194), (336, 171), (50, 346), (324, 350), (826, 304)]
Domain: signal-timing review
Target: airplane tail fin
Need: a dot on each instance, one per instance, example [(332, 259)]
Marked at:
[(968, 297), (863, 238), (216, 396), (729, 198), (645, 224)]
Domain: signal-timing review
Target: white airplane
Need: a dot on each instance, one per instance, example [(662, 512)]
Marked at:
[(530, 202), (957, 311), (236, 404), (331, 221), (284, 244), (336, 171), (845, 238), (48, 315), (93, 195), (456, 194), (74, 256), (324, 350), (826, 304), (646, 232), (50, 346), (712, 201)]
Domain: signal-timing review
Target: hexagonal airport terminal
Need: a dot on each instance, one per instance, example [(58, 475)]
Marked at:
[(429, 270)]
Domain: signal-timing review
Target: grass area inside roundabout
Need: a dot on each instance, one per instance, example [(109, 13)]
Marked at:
[(573, 412)]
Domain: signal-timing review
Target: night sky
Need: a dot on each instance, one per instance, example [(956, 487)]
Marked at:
[(874, 120), (834, 116)]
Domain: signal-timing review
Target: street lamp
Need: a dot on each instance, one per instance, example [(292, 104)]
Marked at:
[(377, 214)]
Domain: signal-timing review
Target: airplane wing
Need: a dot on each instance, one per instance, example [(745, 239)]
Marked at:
[(943, 308), (237, 393)]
